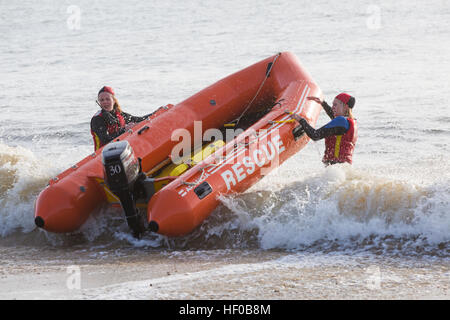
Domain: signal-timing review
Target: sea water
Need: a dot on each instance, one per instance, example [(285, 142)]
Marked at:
[(390, 207)]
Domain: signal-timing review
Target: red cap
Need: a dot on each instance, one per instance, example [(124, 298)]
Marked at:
[(347, 99), (106, 89)]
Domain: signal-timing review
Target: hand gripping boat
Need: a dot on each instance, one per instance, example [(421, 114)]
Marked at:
[(221, 140)]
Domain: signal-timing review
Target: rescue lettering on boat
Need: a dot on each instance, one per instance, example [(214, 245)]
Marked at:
[(257, 157)]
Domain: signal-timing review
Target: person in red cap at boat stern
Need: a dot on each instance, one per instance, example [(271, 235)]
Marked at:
[(340, 133), (110, 121)]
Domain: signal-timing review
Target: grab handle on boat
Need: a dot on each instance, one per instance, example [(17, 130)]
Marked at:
[(143, 129)]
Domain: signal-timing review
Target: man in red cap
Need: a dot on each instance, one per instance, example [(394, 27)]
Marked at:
[(110, 121), (340, 133)]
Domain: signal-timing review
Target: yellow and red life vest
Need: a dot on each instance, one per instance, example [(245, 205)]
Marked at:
[(340, 148)]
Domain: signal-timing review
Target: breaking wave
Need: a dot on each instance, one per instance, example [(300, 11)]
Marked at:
[(345, 209), (22, 176), (338, 208)]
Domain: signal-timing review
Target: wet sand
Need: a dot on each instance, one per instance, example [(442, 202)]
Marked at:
[(219, 274)]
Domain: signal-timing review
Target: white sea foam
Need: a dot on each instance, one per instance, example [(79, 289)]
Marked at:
[(343, 205), (22, 176)]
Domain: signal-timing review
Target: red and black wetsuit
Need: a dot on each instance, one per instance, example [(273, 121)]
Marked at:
[(340, 137), (106, 126)]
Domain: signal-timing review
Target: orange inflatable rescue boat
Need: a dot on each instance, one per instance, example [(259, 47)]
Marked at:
[(168, 171)]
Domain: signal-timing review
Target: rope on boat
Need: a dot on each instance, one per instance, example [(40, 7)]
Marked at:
[(281, 121), (235, 122), (202, 169)]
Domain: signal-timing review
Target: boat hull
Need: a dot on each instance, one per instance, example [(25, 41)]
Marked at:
[(68, 200)]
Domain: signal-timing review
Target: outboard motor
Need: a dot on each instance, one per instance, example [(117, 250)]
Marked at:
[(124, 177)]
